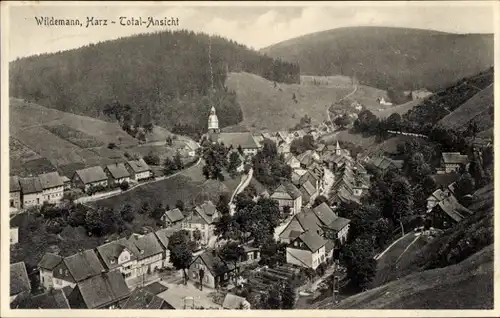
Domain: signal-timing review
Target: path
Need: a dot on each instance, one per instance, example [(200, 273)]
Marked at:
[(93, 199), (346, 96), (389, 247), (241, 186)]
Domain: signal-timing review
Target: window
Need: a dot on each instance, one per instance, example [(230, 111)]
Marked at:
[(11, 203)]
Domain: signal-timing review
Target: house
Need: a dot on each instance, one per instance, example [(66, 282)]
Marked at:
[(251, 255), (320, 148), (53, 187), (297, 175), (284, 148), (300, 223), (15, 222), (292, 161), (232, 301), (117, 174), (309, 192), (46, 269), (202, 218), (172, 217), (288, 195), (325, 214), (150, 257), (299, 133), (307, 158), (138, 170), (89, 177), (14, 193), (119, 256), (282, 137), (214, 270), (448, 212), (141, 298), (340, 228), (31, 191), (103, 291), (20, 286), (76, 268), (189, 149), (163, 237), (383, 163), (436, 197), (52, 299), (237, 139), (452, 161), (307, 250)]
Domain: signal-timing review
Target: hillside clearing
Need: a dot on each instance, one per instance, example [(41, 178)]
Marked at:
[(266, 107), (399, 109)]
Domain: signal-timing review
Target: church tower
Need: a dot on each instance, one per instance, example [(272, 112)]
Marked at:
[(213, 125), (338, 150)]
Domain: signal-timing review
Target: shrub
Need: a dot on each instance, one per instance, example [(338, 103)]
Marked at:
[(111, 145), (124, 185)]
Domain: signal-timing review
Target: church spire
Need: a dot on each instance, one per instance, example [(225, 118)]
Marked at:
[(337, 148)]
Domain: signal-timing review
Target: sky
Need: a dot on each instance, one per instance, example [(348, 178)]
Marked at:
[(249, 24)]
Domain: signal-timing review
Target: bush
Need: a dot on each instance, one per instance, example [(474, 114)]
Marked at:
[(111, 145), (152, 159), (124, 186)]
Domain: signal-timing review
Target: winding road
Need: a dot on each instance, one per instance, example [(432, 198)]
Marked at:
[(346, 96)]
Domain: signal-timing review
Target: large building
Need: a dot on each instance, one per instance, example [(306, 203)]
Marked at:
[(53, 187)]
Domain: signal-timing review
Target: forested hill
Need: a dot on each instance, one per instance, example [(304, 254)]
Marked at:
[(382, 57), (164, 76)]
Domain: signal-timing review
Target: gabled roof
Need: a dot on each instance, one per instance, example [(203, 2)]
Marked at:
[(284, 148), (309, 176), (320, 147), (118, 170), (383, 163), (282, 134), (112, 250), (307, 158), (339, 223), (51, 180), (287, 191), (143, 299), (454, 158), (19, 281), (307, 190), (312, 240), (454, 209), (243, 139), (232, 301), (163, 236), (325, 214), (147, 245), (440, 195), (214, 263), (14, 184), (308, 220), (102, 290), (30, 185), (174, 215), (445, 179), (92, 174), (50, 261), (138, 165), (83, 265), (53, 299)]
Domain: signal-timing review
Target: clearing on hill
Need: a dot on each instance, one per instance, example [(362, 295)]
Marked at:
[(399, 109), (265, 106)]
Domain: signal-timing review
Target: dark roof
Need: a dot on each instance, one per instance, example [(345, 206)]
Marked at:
[(155, 288), (243, 139), (103, 289), (92, 174), (307, 157), (19, 281), (339, 223), (112, 250), (14, 184), (202, 214), (308, 220), (288, 188), (147, 245), (214, 263), (83, 265), (143, 299), (53, 299), (312, 240), (138, 165), (30, 185), (67, 290), (325, 214), (50, 261), (307, 190), (51, 180), (445, 179), (454, 157), (383, 163), (174, 215), (118, 170)]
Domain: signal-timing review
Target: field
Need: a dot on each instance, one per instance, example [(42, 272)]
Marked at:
[(43, 139), (399, 109), (478, 109), (466, 285), (266, 107)]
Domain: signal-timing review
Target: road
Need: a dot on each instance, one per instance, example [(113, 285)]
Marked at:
[(346, 96), (329, 180)]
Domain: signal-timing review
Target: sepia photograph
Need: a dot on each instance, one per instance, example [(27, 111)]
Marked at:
[(277, 156)]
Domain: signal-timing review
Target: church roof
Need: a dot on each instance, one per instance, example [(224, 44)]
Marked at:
[(243, 139)]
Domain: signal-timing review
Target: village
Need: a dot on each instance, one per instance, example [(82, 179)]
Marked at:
[(222, 270)]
